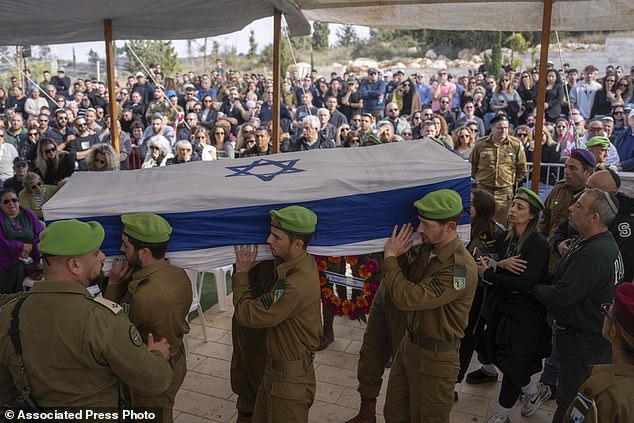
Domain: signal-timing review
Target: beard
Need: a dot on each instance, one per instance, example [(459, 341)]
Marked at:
[(98, 279)]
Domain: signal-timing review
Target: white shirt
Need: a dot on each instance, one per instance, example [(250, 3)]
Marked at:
[(7, 154)]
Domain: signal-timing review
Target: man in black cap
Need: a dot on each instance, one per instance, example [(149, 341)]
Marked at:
[(61, 82), (20, 167)]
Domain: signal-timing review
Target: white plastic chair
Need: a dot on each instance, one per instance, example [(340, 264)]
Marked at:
[(220, 274), (197, 279), (27, 283)]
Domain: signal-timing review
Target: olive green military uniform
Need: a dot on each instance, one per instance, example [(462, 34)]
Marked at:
[(249, 345), (497, 169), (605, 397), (163, 107), (421, 383), (291, 312), (157, 300), (76, 349), (555, 211), (383, 334)]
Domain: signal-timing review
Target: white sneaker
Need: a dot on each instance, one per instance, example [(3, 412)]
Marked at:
[(499, 418), (533, 402)]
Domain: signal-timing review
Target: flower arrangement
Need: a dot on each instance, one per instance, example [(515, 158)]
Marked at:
[(366, 267)]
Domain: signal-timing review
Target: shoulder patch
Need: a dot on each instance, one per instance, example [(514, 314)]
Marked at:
[(437, 287), (271, 298), (459, 278), (110, 305), (135, 336)]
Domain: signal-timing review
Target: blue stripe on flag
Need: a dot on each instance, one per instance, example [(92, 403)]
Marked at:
[(341, 220)]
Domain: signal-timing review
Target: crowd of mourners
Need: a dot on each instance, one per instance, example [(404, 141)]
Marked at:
[(63, 127)]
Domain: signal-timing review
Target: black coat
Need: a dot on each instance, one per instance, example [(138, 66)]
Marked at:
[(517, 336)]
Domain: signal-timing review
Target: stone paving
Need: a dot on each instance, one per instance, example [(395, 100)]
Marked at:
[(206, 394)]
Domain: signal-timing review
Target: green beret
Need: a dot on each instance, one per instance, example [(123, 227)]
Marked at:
[(294, 219), (71, 238), (146, 227), (439, 205), (530, 197), (600, 141)]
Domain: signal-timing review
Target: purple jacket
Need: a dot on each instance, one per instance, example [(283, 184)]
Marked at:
[(10, 250)]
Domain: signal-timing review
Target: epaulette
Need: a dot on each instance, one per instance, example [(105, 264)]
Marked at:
[(597, 383), (110, 305)]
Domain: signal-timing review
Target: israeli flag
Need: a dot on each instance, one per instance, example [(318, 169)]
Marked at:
[(358, 194)]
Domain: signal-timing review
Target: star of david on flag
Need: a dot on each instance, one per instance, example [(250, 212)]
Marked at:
[(265, 169)]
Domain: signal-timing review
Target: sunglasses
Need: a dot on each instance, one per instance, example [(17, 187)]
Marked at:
[(50, 150), (33, 134), (521, 135), (37, 184), (10, 200), (444, 102), (617, 113), (407, 134), (219, 133), (153, 147)]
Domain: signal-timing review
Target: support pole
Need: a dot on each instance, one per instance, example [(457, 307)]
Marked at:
[(541, 94), (112, 96), (18, 54), (277, 85)]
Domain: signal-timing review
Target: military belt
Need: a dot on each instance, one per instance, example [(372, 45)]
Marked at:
[(433, 344), (294, 365)]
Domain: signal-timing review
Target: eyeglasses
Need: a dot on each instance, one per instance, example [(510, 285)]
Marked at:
[(620, 112), (406, 134), (201, 137), (444, 102), (610, 80), (37, 184), (50, 150), (82, 124), (10, 200)]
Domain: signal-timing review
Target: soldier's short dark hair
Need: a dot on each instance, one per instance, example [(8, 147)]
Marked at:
[(304, 238)]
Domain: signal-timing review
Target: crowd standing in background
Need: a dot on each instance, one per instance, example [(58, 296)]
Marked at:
[(560, 254)]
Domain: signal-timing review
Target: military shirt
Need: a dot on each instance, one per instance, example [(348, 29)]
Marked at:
[(157, 300), (437, 289), (291, 310), (76, 349), (498, 167), (556, 208), (609, 389)]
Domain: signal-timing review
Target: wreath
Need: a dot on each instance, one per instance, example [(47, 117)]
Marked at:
[(366, 267)]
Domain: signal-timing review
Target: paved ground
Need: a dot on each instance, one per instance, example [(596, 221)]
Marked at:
[(206, 394)]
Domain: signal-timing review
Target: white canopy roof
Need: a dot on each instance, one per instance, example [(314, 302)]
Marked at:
[(568, 15), (68, 21)]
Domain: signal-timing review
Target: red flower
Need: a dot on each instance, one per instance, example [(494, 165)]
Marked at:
[(363, 273), (326, 292), (322, 266), (352, 260), (334, 259), (336, 300), (347, 307), (322, 281), (372, 265)]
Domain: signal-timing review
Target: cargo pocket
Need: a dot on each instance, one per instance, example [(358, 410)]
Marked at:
[(436, 390), (290, 402)]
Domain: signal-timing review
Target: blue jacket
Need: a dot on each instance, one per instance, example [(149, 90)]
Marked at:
[(373, 95), (624, 144)]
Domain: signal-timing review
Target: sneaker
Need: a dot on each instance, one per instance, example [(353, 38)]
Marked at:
[(499, 418), (533, 402), (479, 376)]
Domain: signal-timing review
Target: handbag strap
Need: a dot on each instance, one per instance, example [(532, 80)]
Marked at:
[(14, 334)]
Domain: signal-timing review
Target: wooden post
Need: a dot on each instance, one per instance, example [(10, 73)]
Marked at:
[(112, 109), (541, 94), (277, 84), (18, 54)]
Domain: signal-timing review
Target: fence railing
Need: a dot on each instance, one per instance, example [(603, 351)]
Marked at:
[(550, 173)]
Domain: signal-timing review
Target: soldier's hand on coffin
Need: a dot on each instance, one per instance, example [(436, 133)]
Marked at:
[(399, 242), (246, 257)]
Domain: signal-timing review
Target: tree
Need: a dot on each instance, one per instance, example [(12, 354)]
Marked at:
[(93, 57), (494, 63), (347, 36), (253, 46), (215, 49), (517, 43), (150, 51), (321, 32)]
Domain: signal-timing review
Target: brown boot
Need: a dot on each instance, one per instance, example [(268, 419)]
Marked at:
[(367, 411), (329, 334)]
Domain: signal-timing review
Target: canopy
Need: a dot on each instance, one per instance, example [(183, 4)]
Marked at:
[(358, 194), (70, 21), (567, 15)]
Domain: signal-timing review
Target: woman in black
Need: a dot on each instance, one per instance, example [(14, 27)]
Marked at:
[(484, 234), (517, 336), (603, 98), (554, 96)]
